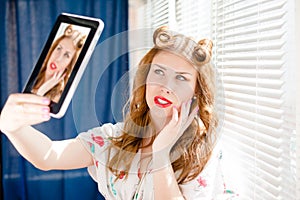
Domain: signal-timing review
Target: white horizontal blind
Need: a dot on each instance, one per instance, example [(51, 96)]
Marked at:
[(189, 17), (194, 18), (251, 56), (146, 11), (156, 13), (160, 13)]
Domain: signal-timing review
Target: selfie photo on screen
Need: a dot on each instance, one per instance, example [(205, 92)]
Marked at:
[(60, 61)]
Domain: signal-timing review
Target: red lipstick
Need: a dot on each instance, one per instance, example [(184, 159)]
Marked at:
[(162, 102), (53, 66)]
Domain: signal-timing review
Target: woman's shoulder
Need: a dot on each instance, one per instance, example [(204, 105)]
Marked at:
[(107, 130), (102, 134), (96, 140)]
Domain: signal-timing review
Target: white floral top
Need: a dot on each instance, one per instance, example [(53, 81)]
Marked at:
[(208, 184)]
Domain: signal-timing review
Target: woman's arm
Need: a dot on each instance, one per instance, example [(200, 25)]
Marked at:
[(164, 180), (45, 154), (23, 110)]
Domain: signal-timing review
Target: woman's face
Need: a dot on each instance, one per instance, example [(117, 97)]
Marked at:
[(170, 82), (60, 57)]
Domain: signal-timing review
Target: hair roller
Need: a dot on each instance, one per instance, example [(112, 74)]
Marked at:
[(207, 45), (199, 55), (163, 38), (68, 31), (202, 53), (77, 38), (81, 42)]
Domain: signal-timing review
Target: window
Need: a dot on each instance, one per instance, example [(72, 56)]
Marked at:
[(254, 55), (253, 59)]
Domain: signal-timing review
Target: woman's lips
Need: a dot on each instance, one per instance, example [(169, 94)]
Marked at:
[(53, 66), (162, 102)]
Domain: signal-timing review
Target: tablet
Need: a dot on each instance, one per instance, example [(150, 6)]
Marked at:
[(63, 60)]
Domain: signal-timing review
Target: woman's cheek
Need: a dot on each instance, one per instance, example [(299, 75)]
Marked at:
[(65, 64), (184, 93)]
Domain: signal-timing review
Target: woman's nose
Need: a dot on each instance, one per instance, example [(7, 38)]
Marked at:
[(168, 86), (165, 89), (59, 58)]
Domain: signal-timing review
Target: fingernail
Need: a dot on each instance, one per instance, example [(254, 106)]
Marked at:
[(46, 116), (46, 101), (46, 110)]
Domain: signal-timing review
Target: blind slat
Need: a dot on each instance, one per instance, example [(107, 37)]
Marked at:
[(250, 55)]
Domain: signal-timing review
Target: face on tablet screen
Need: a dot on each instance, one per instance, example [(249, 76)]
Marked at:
[(60, 60)]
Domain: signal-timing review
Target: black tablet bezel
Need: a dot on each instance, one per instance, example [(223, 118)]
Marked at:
[(74, 20)]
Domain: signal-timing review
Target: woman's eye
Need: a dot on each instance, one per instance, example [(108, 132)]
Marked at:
[(58, 47), (181, 78), (67, 55), (159, 72)]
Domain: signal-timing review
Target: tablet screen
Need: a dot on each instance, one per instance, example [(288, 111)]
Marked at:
[(60, 60), (63, 59)]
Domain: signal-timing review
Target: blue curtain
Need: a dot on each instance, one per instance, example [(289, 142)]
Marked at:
[(25, 25)]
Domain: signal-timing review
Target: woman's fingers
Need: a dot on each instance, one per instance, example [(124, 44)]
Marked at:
[(175, 115), (184, 111), (34, 109), (57, 77), (178, 124), (52, 82), (23, 110), (190, 118), (61, 73), (30, 119), (28, 98), (186, 116)]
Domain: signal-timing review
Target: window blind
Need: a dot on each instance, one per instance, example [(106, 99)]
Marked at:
[(251, 55), (255, 95), (155, 14), (160, 13), (193, 18), (186, 16)]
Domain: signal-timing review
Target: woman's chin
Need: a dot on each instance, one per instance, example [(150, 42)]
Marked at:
[(161, 114)]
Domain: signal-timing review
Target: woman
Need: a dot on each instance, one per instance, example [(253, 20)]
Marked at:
[(58, 64), (163, 150)]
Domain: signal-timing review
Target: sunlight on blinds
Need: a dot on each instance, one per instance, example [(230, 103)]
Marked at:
[(160, 13), (253, 41), (193, 18), (251, 57)]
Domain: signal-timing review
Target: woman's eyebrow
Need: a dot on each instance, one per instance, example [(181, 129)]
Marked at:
[(188, 73), (166, 68), (160, 66), (62, 46)]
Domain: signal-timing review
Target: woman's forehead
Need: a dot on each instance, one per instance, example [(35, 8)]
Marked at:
[(67, 43), (172, 61)]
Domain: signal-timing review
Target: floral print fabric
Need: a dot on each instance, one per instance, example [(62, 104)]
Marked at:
[(208, 185)]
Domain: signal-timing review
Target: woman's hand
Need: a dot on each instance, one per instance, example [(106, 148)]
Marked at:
[(164, 179), (166, 139), (23, 110), (49, 84)]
